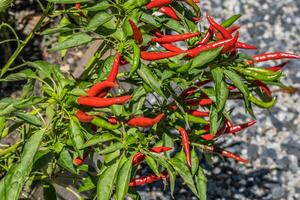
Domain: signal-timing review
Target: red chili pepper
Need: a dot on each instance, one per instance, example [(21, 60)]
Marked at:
[(231, 30), (264, 88), (199, 102), (277, 67), (241, 45), (172, 47), (215, 149), (99, 87), (147, 179), (210, 136), (239, 127), (169, 12), (77, 6), (97, 102), (272, 56), (220, 28), (158, 3), (168, 46), (206, 37), (113, 120), (196, 19), (197, 113), (185, 144), (160, 149), (78, 161), (115, 69), (174, 38), (112, 77), (83, 117), (138, 158), (144, 121), (157, 55), (136, 32), (227, 44)]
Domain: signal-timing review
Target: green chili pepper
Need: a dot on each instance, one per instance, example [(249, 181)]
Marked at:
[(102, 123), (136, 58), (260, 103), (196, 120), (260, 74)]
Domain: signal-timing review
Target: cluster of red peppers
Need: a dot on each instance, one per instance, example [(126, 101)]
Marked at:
[(215, 37)]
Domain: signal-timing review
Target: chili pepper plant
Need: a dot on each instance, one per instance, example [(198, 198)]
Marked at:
[(141, 101)]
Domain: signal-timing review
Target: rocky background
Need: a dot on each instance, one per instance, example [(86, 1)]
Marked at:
[(273, 145)]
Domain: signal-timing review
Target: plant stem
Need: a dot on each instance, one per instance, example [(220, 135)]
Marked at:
[(25, 42)]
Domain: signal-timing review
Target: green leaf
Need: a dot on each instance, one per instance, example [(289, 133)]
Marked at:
[(123, 180), (149, 19), (65, 160), (152, 164), (184, 172), (215, 121), (12, 183), (237, 82), (68, 1), (106, 181), (220, 88), (201, 184), (98, 139), (103, 5), (49, 191), (112, 148), (98, 20), (195, 161), (228, 22), (170, 170), (74, 41), (20, 76), (206, 57), (49, 31), (148, 77), (75, 132), (87, 184), (31, 119)]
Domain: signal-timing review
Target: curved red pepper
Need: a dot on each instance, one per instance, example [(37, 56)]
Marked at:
[(136, 32), (185, 144), (272, 56), (83, 117), (147, 179), (157, 55), (97, 102), (169, 12), (197, 113), (277, 67), (158, 3), (144, 121), (227, 44), (174, 38), (99, 87), (160, 149), (138, 158)]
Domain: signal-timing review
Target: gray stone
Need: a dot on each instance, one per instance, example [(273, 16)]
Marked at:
[(278, 192), (284, 162), (252, 151)]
